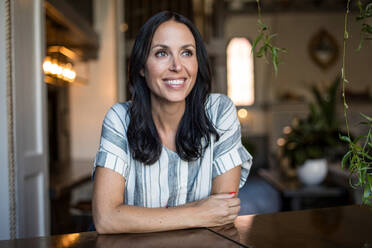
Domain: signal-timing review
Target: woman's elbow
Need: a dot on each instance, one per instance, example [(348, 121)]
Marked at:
[(100, 229), (102, 223)]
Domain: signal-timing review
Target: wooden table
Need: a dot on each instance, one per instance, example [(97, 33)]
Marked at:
[(341, 227), (183, 239), (347, 226)]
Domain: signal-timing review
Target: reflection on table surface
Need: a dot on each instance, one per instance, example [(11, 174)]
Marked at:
[(180, 238), (347, 226)]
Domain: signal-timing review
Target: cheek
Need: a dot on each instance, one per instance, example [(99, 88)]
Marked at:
[(193, 67), (151, 72), (156, 68)]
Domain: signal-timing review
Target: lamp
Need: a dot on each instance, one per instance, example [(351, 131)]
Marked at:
[(58, 65)]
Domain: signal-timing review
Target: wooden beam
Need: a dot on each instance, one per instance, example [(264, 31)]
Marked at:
[(62, 13)]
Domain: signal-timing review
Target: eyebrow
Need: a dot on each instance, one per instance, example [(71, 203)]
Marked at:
[(165, 46)]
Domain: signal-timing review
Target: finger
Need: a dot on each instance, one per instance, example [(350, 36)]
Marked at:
[(234, 210), (231, 218), (228, 227), (234, 202)]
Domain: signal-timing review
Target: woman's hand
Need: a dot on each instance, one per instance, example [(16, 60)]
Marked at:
[(217, 210)]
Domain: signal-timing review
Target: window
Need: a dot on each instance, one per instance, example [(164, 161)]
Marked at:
[(240, 76)]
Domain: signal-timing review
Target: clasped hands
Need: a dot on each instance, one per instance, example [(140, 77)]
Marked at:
[(218, 209)]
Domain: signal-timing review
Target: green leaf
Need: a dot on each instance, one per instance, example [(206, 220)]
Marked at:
[(274, 52), (369, 7), (367, 156), (366, 117), (271, 36), (275, 68), (358, 138), (356, 147), (367, 192), (345, 138), (366, 28), (275, 55), (344, 159), (257, 40), (261, 51), (362, 169), (364, 122)]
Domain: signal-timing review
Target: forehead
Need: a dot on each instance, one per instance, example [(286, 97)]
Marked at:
[(173, 32)]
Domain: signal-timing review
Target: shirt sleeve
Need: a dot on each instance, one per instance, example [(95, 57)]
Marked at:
[(113, 148), (228, 151)]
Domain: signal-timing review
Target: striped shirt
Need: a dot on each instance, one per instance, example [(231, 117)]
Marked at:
[(172, 181)]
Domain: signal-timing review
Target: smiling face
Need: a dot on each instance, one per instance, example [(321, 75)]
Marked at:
[(171, 67)]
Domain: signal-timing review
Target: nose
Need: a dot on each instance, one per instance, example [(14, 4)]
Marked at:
[(175, 65)]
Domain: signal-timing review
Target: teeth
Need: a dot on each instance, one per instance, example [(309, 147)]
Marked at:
[(175, 82)]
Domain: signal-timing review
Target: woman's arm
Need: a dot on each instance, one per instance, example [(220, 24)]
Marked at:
[(227, 182), (112, 216)]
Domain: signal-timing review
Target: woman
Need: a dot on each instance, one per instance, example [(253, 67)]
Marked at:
[(172, 157)]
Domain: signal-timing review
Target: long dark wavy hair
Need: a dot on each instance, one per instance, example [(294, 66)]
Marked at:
[(195, 127)]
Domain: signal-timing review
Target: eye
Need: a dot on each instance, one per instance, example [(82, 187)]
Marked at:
[(187, 53), (160, 53)]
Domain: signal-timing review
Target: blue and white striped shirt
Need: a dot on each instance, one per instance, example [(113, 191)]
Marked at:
[(172, 181)]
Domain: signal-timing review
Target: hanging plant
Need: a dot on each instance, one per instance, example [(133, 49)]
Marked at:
[(358, 158), (264, 39)]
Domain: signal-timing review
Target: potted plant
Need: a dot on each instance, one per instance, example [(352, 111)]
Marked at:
[(310, 141)]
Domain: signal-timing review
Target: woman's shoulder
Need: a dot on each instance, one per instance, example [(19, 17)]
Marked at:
[(217, 103), (118, 114), (121, 107)]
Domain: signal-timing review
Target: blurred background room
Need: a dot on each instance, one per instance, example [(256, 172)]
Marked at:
[(63, 64)]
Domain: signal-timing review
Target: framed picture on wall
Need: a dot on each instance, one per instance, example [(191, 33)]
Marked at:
[(323, 49)]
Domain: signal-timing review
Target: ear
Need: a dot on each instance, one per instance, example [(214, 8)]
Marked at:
[(142, 72)]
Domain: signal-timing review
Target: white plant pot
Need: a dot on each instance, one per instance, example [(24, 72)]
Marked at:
[(313, 171)]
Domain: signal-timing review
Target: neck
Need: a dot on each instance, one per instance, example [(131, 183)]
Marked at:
[(167, 116)]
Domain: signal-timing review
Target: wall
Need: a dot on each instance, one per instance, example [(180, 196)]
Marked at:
[(297, 71), (306, 73), (90, 102), (4, 182)]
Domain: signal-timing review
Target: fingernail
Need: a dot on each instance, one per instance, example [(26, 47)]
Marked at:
[(232, 193)]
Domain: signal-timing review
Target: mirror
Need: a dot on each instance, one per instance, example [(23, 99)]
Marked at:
[(323, 49)]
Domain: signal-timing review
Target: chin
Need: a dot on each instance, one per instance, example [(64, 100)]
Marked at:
[(175, 99), (171, 97)]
